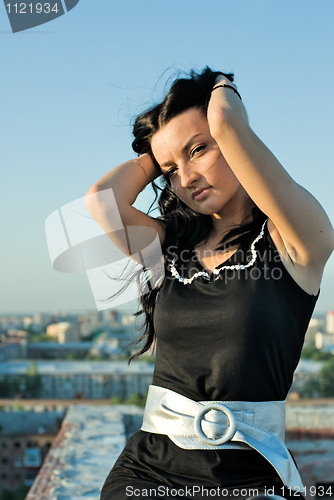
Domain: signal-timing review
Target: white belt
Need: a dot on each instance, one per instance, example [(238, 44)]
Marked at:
[(202, 425)]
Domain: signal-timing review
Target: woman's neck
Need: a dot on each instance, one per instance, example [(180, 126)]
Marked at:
[(227, 220)]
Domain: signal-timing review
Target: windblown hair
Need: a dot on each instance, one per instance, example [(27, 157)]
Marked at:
[(183, 226)]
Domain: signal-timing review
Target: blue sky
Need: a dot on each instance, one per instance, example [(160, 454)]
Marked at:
[(70, 89)]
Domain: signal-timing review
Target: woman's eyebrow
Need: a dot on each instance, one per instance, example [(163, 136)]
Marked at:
[(190, 141), (167, 164), (184, 149)]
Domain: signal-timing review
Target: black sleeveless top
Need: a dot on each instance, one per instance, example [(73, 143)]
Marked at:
[(239, 338)]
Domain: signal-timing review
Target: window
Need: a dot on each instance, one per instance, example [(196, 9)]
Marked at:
[(31, 444), (30, 477), (32, 457), (17, 462)]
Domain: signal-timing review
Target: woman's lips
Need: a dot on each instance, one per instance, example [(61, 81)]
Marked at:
[(202, 194)]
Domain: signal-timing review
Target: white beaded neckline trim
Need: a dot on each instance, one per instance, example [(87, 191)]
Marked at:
[(215, 272)]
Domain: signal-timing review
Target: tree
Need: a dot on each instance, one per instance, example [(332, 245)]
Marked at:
[(32, 369), (326, 379), (33, 380), (73, 356), (19, 494), (9, 386), (323, 385), (41, 337), (116, 400), (311, 389), (311, 352), (136, 399)]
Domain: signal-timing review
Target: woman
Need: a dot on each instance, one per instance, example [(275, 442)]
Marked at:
[(245, 248)]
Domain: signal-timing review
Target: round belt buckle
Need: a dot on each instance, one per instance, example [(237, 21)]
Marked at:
[(226, 436)]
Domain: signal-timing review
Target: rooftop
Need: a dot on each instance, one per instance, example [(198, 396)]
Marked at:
[(76, 367), (20, 423), (88, 444), (67, 345)]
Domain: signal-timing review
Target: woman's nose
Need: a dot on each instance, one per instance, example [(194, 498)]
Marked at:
[(188, 176)]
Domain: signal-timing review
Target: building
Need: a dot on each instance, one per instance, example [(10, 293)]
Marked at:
[(89, 323), (25, 439), (88, 379), (14, 333), (110, 317), (323, 340), (64, 332), (121, 341), (13, 344), (54, 350), (10, 322), (42, 320), (13, 348), (314, 326), (330, 322)]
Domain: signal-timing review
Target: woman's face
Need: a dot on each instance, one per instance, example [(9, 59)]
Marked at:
[(198, 172)]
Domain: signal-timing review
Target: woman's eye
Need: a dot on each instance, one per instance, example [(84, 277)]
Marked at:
[(197, 150), (171, 172)]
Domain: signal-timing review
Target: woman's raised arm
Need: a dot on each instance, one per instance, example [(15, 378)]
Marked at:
[(298, 224), (110, 200)]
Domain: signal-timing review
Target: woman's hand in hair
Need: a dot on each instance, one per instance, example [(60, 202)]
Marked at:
[(110, 200), (221, 79), (225, 107)]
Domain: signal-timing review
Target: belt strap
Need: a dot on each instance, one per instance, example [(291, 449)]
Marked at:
[(223, 424)]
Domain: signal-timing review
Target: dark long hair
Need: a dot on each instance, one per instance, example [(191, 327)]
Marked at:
[(183, 226)]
